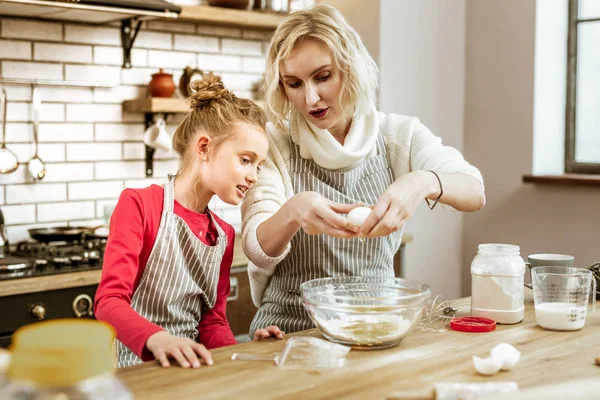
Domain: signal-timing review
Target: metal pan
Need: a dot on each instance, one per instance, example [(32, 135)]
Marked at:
[(60, 233)]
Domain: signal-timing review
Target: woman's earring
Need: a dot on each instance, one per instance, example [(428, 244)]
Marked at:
[(205, 159)]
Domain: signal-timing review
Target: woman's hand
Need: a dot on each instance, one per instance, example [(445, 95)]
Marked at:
[(316, 215), (164, 345), (270, 331), (398, 203)]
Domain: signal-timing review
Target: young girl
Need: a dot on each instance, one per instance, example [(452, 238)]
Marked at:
[(165, 277)]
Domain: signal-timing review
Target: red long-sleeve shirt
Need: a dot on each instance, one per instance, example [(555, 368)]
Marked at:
[(133, 230)]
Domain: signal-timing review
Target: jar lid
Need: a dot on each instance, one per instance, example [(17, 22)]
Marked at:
[(62, 352), (473, 324)]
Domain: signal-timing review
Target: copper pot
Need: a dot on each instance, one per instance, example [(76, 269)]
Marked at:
[(162, 84)]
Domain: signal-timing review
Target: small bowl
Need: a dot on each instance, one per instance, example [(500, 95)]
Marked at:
[(365, 312)]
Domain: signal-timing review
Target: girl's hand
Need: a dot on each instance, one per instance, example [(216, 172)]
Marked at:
[(164, 345), (398, 203), (271, 331), (316, 215)]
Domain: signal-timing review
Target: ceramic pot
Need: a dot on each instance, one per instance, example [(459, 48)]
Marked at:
[(162, 84)]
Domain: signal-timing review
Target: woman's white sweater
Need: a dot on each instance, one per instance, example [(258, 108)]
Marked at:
[(410, 147)]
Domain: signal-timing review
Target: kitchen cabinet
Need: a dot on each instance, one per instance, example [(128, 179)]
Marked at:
[(421, 359)]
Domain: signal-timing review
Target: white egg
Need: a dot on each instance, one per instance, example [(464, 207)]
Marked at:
[(358, 215), (506, 353), (487, 366)]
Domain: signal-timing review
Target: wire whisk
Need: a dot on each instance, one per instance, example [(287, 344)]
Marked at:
[(437, 316)]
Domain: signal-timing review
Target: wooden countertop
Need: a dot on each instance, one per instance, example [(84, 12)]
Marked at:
[(422, 359)]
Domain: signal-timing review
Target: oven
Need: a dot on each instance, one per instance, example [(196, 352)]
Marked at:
[(22, 309)]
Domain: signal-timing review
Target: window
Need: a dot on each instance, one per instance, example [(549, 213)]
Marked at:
[(582, 136)]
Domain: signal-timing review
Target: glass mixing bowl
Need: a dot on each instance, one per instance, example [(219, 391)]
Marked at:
[(365, 312)]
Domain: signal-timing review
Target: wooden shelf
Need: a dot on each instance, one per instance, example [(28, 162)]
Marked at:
[(566, 179), (160, 105), (231, 17)]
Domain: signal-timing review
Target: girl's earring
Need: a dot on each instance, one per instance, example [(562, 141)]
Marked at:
[(205, 159)]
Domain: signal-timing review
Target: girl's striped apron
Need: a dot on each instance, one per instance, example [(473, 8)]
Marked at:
[(180, 278), (318, 256)]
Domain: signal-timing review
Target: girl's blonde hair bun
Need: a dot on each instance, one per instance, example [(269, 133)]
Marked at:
[(208, 89)]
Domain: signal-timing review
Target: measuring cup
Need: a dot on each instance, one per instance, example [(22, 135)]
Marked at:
[(307, 352), (561, 296)]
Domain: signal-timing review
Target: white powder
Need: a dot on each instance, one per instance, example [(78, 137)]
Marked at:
[(497, 292), (366, 329), (560, 316)]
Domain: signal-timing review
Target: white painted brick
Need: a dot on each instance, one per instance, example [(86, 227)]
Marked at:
[(119, 132), (62, 52), (171, 26), (244, 94), (69, 172), (18, 92), (31, 70), (164, 167), (18, 233), (137, 76), (240, 81), (170, 59), (15, 49), (66, 211), (196, 43), (137, 151), (18, 132), (118, 94), (257, 34), (104, 209), (1, 194), (86, 222), (57, 94), (153, 40), (213, 30), (120, 170), (66, 133), (114, 56), (218, 62), (143, 183), (232, 217), (38, 193), (47, 152), (30, 29), (93, 151), (94, 112), (23, 214), (50, 112), (95, 190), (21, 175), (243, 47), (254, 65), (92, 34), (93, 73)]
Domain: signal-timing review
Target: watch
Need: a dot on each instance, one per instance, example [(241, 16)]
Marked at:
[(189, 75)]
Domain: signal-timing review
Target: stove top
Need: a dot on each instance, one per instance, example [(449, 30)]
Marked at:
[(31, 258)]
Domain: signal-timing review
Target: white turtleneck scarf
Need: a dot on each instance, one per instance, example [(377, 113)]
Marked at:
[(320, 146)]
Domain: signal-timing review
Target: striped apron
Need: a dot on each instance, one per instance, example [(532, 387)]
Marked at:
[(319, 256), (180, 278)]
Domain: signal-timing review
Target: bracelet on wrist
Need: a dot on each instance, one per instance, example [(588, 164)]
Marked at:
[(432, 205)]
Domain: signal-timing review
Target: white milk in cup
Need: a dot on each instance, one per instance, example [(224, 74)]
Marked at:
[(561, 296)]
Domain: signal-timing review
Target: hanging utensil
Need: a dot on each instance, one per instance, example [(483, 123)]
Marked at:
[(37, 169), (8, 160)]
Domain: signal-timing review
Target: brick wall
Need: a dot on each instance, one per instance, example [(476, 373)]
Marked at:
[(94, 150)]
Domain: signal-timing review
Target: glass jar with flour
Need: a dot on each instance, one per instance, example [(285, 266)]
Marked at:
[(497, 273)]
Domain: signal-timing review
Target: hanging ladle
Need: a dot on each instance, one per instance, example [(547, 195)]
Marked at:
[(37, 169), (8, 160)]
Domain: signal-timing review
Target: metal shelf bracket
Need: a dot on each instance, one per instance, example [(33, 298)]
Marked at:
[(128, 35)]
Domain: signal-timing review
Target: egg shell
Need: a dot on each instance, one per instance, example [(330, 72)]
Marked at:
[(487, 366), (358, 215), (506, 353)]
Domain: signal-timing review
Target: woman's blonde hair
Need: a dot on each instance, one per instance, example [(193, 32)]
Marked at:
[(324, 23), (214, 110)]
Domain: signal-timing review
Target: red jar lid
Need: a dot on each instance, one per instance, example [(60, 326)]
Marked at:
[(472, 324)]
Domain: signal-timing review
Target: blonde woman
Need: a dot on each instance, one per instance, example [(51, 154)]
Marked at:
[(329, 151)]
